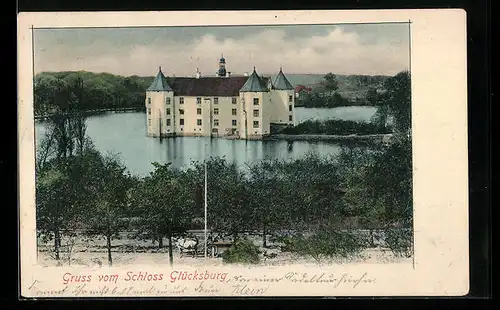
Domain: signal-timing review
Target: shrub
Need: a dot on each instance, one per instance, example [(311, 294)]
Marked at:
[(325, 244), (242, 252), (336, 127), (400, 241)]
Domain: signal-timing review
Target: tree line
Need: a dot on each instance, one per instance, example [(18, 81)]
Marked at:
[(97, 90), (328, 94)]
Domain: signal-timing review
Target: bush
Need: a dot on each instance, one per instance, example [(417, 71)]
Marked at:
[(242, 252), (325, 244), (336, 127), (400, 241)]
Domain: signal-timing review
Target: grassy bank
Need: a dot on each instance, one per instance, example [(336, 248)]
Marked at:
[(336, 127)]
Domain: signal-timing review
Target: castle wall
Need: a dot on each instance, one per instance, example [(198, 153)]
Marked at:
[(255, 122), (155, 112), (284, 99)]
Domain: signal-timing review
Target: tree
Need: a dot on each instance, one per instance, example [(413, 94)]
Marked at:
[(330, 83), (45, 150), (396, 102), (107, 188), (164, 203), (55, 202), (373, 97), (267, 192), (228, 195), (378, 184), (360, 198)]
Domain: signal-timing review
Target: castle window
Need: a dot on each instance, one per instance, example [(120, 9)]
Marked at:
[(233, 100), (168, 122), (290, 118), (181, 121), (233, 111), (215, 130), (255, 124), (149, 100), (216, 100), (198, 122), (234, 122), (149, 111), (290, 98), (167, 100), (168, 111), (290, 108), (149, 121), (255, 101), (181, 111), (216, 122), (256, 113), (198, 100), (181, 100), (198, 111), (216, 111)]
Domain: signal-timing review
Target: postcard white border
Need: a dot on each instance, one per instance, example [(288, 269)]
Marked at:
[(440, 157)]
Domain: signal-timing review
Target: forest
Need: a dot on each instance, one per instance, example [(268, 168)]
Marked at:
[(96, 91)]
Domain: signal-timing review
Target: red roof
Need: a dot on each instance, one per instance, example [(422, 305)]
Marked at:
[(208, 86), (300, 88)]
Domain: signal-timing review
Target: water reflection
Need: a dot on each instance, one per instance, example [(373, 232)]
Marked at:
[(124, 134)]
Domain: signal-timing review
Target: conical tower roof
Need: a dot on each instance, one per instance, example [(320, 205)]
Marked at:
[(159, 83), (254, 84), (282, 83)]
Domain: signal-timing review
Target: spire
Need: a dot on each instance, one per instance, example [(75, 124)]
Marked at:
[(254, 83), (159, 83), (281, 82)]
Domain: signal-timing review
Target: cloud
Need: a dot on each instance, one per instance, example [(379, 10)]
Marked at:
[(336, 51)]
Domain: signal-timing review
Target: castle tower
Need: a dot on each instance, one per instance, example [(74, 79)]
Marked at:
[(285, 110), (160, 107), (222, 67), (255, 99)]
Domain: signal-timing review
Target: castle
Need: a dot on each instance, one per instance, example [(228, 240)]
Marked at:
[(241, 107)]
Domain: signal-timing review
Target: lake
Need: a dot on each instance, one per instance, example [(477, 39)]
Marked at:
[(125, 134)]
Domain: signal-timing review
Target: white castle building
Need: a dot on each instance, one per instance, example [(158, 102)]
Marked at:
[(243, 107)]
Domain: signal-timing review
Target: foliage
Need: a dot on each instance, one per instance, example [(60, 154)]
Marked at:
[(242, 252), (325, 243), (164, 203), (336, 91), (317, 99), (267, 205), (400, 241), (228, 195), (98, 90), (336, 127), (396, 102), (330, 82)]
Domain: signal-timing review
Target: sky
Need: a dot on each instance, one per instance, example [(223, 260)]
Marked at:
[(368, 49)]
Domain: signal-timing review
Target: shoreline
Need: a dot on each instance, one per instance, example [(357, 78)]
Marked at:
[(324, 137)]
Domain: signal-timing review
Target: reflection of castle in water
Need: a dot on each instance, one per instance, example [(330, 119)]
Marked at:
[(243, 107)]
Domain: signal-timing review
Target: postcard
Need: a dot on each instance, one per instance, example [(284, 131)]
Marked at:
[(243, 153)]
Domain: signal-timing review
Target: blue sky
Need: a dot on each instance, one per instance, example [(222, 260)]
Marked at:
[(343, 49)]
